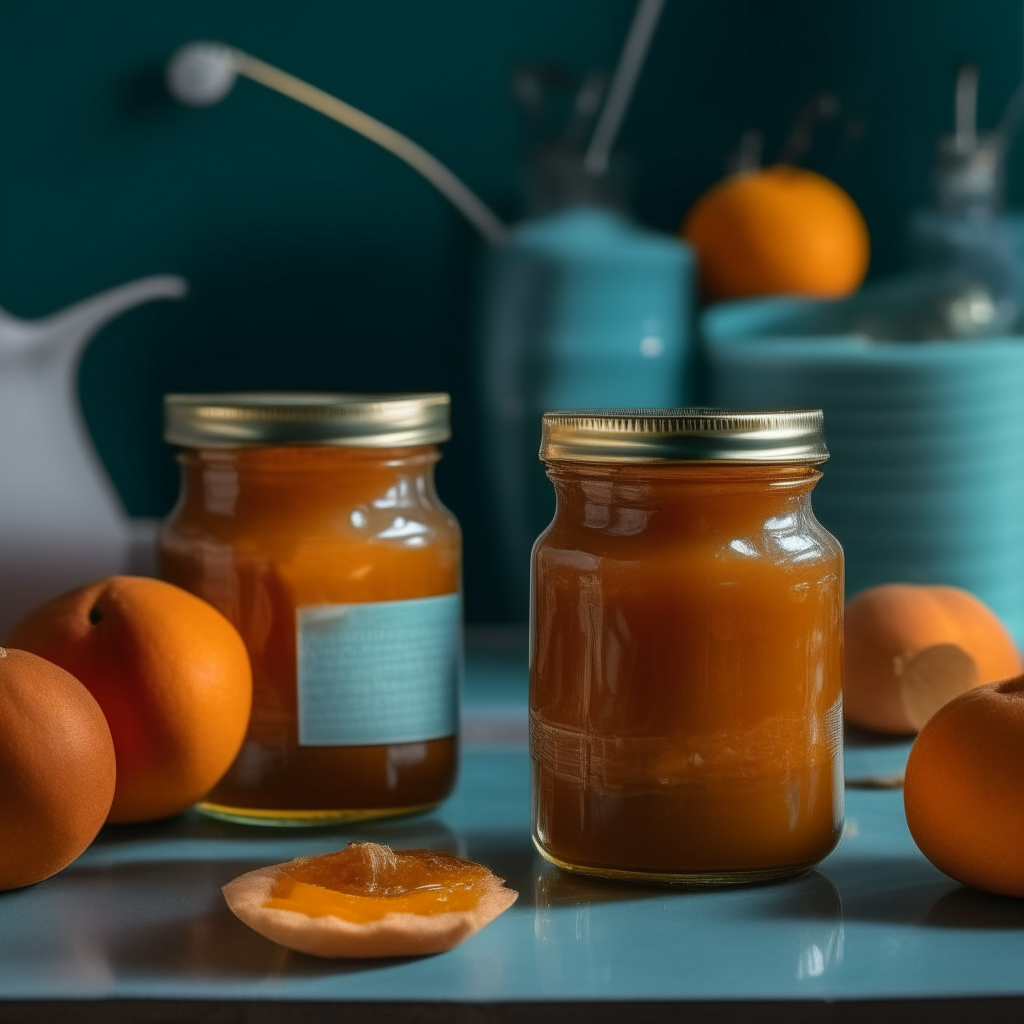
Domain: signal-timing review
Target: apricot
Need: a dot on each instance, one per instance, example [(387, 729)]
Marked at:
[(910, 648), (169, 671), (780, 230), (56, 768), (369, 901), (964, 788)]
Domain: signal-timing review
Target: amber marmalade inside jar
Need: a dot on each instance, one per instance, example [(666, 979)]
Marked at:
[(264, 532), (685, 684)]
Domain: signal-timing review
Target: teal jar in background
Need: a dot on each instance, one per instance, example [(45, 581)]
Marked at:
[(583, 308)]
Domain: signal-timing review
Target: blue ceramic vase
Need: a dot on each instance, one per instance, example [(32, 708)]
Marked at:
[(926, 479)]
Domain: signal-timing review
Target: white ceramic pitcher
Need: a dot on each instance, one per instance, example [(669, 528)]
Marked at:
[(61, 521)]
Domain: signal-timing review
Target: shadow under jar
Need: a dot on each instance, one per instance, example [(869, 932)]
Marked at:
[(312, 523), (686, 648)]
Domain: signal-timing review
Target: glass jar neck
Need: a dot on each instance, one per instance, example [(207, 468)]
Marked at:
[(732, 493), (293, 459)]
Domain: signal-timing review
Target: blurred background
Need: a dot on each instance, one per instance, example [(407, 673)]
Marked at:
[(316, 261)]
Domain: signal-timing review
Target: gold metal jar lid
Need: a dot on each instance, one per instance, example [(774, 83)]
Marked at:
[(685, 435), (287, 418)]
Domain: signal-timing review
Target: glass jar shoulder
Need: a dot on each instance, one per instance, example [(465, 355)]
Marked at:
[(790, 540), (346, 498), (346, 532)]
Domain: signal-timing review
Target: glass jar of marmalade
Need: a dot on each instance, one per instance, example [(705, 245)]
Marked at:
[(686, 648), (311, 521)]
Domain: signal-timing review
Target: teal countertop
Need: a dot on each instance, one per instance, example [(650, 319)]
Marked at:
[(140, 915)]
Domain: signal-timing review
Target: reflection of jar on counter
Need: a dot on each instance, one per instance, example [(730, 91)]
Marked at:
[(686, 654), (312, 523)]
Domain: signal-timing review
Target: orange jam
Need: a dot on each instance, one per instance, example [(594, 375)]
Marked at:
[(686, 688), (365, 881), (341, 569)]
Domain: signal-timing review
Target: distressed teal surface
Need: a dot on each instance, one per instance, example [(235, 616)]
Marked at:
[(140, 915)]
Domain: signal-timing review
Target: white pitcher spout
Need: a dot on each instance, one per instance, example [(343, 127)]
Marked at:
[(61, 520), (71, 328)]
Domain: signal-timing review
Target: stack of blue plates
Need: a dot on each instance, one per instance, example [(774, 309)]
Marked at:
[(926, 479)]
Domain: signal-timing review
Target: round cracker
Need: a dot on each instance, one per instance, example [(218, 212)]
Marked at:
[(391, 935)]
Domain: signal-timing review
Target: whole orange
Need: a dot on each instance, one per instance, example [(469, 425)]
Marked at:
[(964, 788), (56, 768), (781, 230), (170, 673)]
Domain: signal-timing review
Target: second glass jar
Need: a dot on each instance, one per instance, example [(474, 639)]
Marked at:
[(686, 648), (312, 523)]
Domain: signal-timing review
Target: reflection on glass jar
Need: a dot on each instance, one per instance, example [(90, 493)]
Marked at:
[(686, 707), (312, 523)]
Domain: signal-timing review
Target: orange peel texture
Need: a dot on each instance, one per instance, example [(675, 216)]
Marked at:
[(57, 768), (780, 230), (169, 671), (964, 788), (369, 901)]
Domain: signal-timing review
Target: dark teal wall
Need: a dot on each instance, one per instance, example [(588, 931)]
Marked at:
[(317, 261)]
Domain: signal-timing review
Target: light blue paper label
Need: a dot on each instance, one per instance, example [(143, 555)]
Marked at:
[(381, 672)]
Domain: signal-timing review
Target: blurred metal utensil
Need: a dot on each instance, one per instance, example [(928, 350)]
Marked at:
[(631, 62)]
